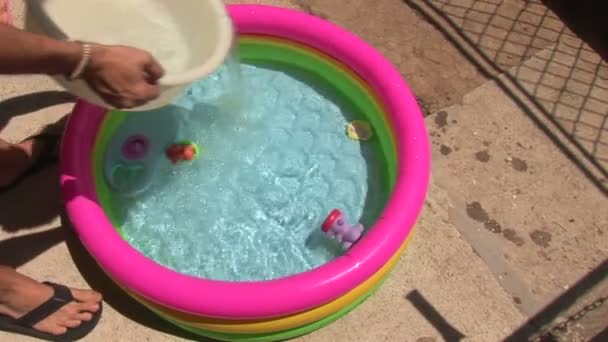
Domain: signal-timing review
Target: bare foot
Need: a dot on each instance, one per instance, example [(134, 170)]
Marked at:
[(15, 159), (20, 294)]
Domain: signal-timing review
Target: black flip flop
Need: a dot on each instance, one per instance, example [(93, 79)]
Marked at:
[(61, 297), (48, 156)]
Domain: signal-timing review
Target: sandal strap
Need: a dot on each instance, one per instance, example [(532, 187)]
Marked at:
[(61, 296)]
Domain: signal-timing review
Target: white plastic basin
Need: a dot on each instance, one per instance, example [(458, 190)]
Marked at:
[(190, 38)]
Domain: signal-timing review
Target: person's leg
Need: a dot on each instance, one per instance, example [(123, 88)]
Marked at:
[(15, 159), (20, 294), (36, 152)]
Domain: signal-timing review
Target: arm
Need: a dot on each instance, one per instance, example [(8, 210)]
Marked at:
[(123, 76), (27, 53)]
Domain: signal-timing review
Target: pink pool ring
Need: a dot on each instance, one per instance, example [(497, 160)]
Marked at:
[(294, 305)]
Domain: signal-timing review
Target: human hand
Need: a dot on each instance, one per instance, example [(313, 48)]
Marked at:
[(124, 77)]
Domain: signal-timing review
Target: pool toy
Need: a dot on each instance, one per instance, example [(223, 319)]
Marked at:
[(191, 39), (133, 156), (135, 147), (359, 130), (182, 152), (337, 227), (286, 307)]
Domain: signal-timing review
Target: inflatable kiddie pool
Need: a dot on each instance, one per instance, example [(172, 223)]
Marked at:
[(289, 306)]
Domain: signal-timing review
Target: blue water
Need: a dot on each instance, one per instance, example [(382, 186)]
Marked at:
[(275, 161)]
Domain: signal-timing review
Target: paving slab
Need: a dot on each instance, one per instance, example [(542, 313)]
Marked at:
[(436, 70), (548, 65), (520, 203)]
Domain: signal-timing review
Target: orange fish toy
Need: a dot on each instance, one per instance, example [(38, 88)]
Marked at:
[(182, 152)]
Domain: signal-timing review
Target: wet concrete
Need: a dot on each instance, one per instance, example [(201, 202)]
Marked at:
[(441, 119), (541, 238), (548, 212), (483, 156), (519, 165), (512, 236), (445, 150), (476, 212)]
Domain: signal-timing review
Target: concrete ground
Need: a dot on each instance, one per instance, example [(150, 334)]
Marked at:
[(513, 241)]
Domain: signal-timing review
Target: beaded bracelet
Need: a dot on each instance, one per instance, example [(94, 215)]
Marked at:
[(84, 61)]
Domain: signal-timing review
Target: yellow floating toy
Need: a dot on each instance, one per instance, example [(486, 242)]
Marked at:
[(359, 130)]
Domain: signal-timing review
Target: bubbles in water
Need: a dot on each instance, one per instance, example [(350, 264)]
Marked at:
[(251, 206)]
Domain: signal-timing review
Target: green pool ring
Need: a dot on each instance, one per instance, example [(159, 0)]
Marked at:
[(281, 335)]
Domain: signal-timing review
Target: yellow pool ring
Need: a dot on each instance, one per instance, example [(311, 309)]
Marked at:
[(279, 323)]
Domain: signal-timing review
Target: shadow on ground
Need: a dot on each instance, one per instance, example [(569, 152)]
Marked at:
[(114, 295), (17, 251), (603, 336), (426, 309), (535, 327), (565, 97), (540, 327), (24, 104), (563, 92), (37, 201), (587, 19), (34, 200), (32, 203)]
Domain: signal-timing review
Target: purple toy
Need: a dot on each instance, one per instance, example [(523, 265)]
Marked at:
[(336, 226), (135, 147)]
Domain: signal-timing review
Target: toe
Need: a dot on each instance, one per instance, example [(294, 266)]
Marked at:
[(71, 323), (53, 329), (69, 311), (87, 296), (84, 316), (58, 330), (87, 307)]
